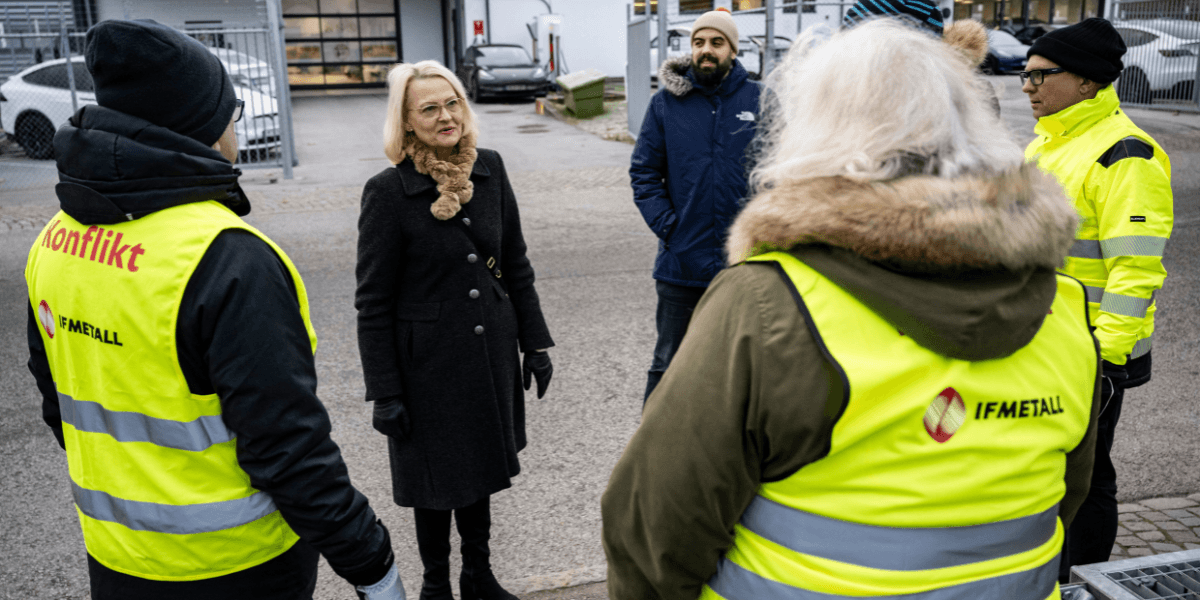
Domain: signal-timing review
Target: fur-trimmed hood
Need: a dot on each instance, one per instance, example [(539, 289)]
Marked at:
[(673, 76), (964, 266), (1011, 221)]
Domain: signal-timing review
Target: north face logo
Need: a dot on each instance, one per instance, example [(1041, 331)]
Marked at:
[(746, 115)]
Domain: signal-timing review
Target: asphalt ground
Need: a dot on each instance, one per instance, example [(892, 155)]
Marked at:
[(593, 256)]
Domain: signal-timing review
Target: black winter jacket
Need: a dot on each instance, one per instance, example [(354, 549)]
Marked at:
[(239, 303)]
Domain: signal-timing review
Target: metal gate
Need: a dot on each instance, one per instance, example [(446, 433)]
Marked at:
[(44, 81), (1162, 60), (637, 68)]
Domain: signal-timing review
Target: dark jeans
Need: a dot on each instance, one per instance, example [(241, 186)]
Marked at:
[(289, 576), (1094, 530), (675, 306)]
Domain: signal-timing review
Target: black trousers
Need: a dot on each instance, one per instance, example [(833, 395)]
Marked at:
[(675, 306), (289, 576), (1094, 530)]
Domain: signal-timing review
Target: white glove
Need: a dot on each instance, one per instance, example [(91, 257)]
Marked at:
[(388, 588)]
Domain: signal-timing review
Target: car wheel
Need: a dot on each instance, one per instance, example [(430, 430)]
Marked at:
[(991, 65), (35, 133), (1133, 86)]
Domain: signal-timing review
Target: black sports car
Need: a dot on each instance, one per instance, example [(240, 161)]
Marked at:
[(495, 70)]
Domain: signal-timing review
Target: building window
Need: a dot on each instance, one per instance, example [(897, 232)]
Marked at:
[(340, 42), (695, 6), (748, 4), (639, 7)]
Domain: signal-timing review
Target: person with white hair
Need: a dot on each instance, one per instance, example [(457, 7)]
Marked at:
[(890, 392), (445, 304)]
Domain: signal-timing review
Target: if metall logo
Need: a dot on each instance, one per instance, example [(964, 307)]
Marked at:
[(945, 415)]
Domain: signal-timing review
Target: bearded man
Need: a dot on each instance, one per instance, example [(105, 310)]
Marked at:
[(689, 172)]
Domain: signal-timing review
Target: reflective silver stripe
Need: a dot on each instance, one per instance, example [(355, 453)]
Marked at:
[(1132, 245), (896, 548), (1141, 348), (734, 582), (1094, 294), (195, 435), (1128, 306), (1085, 249), (168, 518)]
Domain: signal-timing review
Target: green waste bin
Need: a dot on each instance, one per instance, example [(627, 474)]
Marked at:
[(585, 92)]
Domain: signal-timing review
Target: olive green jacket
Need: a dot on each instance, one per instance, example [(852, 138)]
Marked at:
[(964, 266)]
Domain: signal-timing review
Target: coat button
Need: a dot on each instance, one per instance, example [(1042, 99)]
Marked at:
[(466, 221), (474, 294), (479, 330), (471, 258)]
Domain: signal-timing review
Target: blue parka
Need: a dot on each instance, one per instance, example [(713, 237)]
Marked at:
[(690, 167)]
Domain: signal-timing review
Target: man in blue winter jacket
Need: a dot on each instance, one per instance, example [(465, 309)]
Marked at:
[(689, 172)]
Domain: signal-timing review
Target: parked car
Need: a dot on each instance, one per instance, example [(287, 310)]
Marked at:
[(496, 70), (679, 43), (1005, 53), (247, 71), (1160, 61), (37, 101), (750, 52)]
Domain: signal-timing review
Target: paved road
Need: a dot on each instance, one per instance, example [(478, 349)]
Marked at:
[(593, 257)]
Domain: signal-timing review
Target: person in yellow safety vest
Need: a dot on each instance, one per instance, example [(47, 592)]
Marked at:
[(894, 393), (1119, 181), (173, 348)]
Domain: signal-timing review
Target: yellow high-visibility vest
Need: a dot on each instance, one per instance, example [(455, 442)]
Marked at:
[(154, 470), (1119, 180), (943, 477)]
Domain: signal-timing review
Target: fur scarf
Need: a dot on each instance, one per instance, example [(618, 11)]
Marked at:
[(453, 176), (921, 223)]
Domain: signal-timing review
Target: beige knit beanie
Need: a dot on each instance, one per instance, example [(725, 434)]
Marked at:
[(721, 21)]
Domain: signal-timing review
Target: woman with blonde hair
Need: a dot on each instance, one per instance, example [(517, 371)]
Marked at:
[(890, 393), (445, 303)]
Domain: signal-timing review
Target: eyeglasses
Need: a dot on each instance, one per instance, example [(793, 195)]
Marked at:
[(432, 111), (1037, 76), (238, 110)]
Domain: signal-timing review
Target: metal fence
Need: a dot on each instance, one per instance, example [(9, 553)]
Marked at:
[(44, 81), (1162, 61)]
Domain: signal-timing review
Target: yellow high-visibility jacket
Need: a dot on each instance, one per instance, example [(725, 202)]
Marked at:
[(943, 477), (1119, 179), (154, 470)]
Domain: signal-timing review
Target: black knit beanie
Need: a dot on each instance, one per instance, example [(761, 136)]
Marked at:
[(156, 73), (1090, 48)]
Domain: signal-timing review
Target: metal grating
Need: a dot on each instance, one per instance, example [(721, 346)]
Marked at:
[(1176, 581), (1174, 576)]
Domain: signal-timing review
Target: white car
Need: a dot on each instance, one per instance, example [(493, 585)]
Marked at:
[(1160, 60), (679, 43), (37, 101), (750, 51), (247, 71)]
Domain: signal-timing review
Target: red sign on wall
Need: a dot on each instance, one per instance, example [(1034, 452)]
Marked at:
[(478, 27)]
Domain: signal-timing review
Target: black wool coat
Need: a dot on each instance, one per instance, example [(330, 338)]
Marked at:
[(439, 328)]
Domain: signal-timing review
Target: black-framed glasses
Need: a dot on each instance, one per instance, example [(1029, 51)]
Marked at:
[(238, 109), (1037, 76)]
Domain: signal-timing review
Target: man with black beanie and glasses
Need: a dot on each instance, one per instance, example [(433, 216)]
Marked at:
[(1119, 180), (173, 348)]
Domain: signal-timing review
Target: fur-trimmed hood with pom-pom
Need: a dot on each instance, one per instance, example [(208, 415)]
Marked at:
[(966, 266)]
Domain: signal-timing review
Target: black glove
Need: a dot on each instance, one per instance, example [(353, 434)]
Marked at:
[(391, 418), (537, 364), (1112, 378)]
